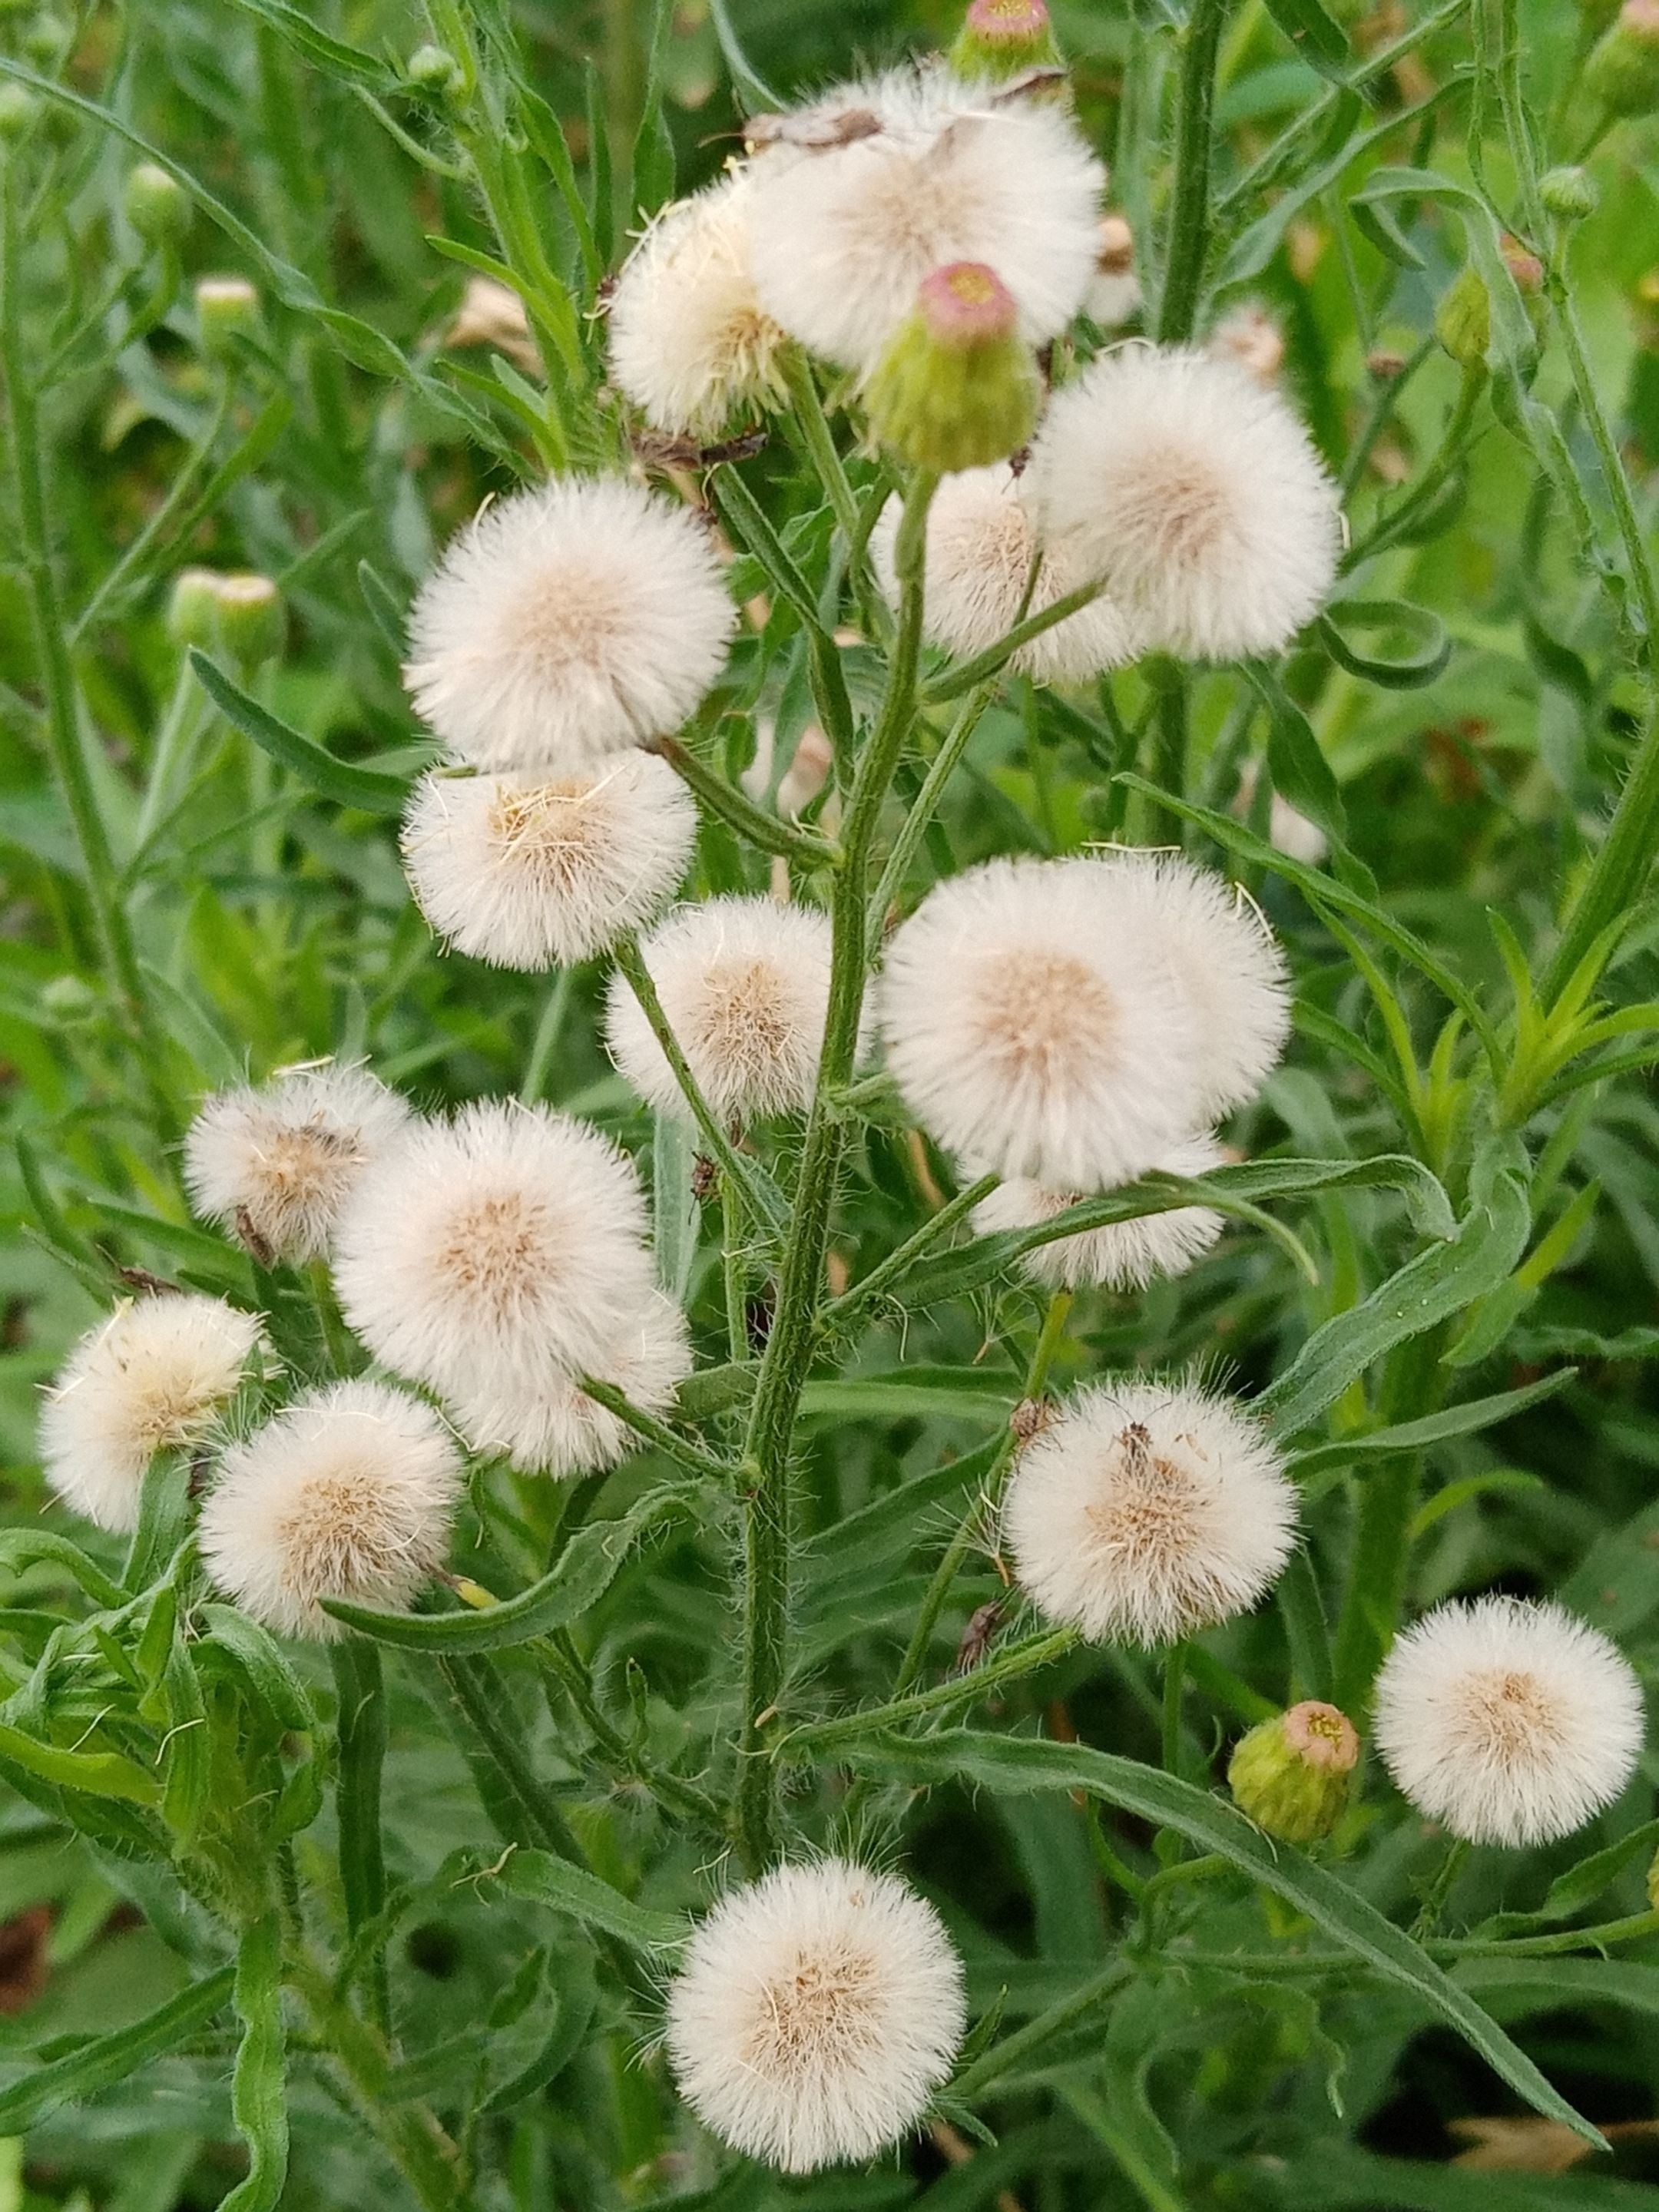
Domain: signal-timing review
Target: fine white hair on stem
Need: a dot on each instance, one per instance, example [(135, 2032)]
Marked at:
[(277, 1163), (1146, 1511), (1226, 959), (1197, 496), (690, 343), (816, 2013), (566, 623), (348, 1493), (1125, 1256), (844, 227), (744, 984), (548, 1425), (492, 1248), (526, 872), (151, 1378), (979, 547), (1032, 1023), (1507, 1721)]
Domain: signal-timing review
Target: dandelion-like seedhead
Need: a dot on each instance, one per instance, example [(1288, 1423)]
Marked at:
[(1033, 1024), (527, 872), (1125, 1256), (844, 227), (817, 2011), (546, 1424), (348, 1493), (1143, 1512), (1228, 964), (567, 623), (276, 1164), (1508, 1722), (1195, 493), (980, 547), (151, 1378), (494, 1249), (690, 343), (744, 983)]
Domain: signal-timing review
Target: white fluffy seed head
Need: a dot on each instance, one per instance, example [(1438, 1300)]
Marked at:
[(527, 872), (844, 229), (1508, 1722), (817, 2012), (547, 1425), (1032, 1023), (980, 547), (151, 1378), (1146, 1511), (276, 1164), (490, 1250), (1196, 494), (744, 983), (1227, 961), (690, 343), (567, 623), (1128, 1255), (349, 1493)]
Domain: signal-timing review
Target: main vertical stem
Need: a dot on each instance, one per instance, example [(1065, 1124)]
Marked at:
[(789, 1348), (1183, 268)]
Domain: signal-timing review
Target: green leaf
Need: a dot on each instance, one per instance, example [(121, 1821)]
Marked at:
[(1422, 661), (1320, 40), (24, 1547), (263, 1671), (332, 779), (96, 1773), (259, 2100), (360, 1732), (969, 1758), (1464, 1420), (1426, 1290), (677, 1218), (541, 1879), (583, 1572), (1301, 773), (1336, 2175), (107, 2059), (959, 1394), (386, 610), (750, 88)]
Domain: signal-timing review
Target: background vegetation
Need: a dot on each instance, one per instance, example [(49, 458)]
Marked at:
[(183, 906)]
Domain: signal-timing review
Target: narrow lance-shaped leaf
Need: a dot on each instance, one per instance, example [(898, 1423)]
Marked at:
[(259, 2100), (99, 2064)]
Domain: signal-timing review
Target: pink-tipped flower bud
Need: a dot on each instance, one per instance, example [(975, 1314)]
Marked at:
[(1623, 71), (1291, 1774), (1001, 38), (957, 387)]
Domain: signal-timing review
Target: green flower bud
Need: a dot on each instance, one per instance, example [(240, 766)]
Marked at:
[(227, 310), (156, 206), (18, 108), (193, 610), (1462, 322), (1568, 193), (957, 388), (1001, 38), (1622, 74), (431, 70), (252, 624), (46, 39), (1291, 1774)]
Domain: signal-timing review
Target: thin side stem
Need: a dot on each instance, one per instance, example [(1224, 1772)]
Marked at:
[(740, 813), (1027, 1657), (678, 1447), (1002, 2057), (844, 1309), (789, 1347), (545, 1044), (820, 445), (923, 808), (1184, 270)]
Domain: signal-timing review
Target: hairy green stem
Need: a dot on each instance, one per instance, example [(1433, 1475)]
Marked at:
[(739, 812), (923, 808), (1189, 234), (1026, 1656), (789, 1347), (842, 1312), (821, 446), (361, 1734), (668, 1441), (673, 1793), (1004, 2057)]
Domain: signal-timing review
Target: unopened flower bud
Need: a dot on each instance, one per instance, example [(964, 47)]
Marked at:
[(1568, 193), (957, 387), (227, 311), (18, 109), (1462, 322), (193, 610), (432, 70), (1523, 266), (46, 40), (1291, 1774), (1384, 363), (1001, 38), (156, 205), (252, 624), (1622, 74)]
